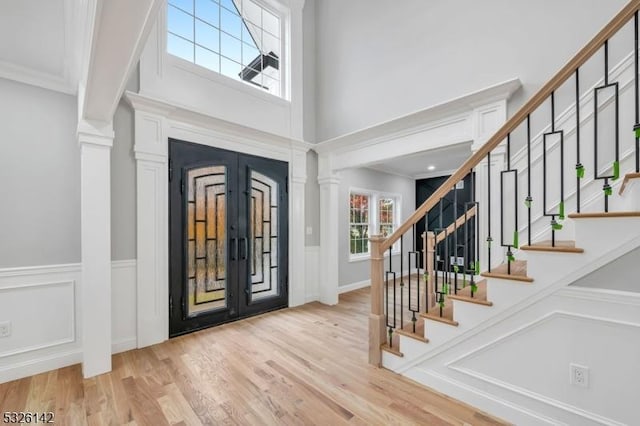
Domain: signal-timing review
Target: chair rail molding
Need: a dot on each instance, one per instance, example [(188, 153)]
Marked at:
[(155, 122), (471, 118)]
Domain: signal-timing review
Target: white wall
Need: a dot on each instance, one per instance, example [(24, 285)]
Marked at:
[(123, 180), (40, 175), (621, 274), (378, 60), (353, 272)]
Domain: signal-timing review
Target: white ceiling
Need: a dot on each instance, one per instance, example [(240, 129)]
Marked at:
[(415, 166), (35, 43)]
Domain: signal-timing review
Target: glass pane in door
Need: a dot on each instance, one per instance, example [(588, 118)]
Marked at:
[(206, 240), (263, 236)]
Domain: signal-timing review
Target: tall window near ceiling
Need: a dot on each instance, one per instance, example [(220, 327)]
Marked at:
[(359, 224), (239, 39)]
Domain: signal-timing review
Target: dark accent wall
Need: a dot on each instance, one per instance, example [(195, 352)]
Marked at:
[(424, 189)]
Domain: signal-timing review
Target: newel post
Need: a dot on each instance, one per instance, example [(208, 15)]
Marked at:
[(377, 332)]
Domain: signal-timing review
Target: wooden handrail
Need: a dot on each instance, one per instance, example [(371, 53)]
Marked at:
[(532, 104), (458, 223)]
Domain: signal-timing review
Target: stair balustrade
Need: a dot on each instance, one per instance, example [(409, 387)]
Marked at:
[(420, 283)]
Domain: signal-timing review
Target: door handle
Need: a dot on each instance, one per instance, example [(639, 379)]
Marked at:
[(234, 248), (245, 251)]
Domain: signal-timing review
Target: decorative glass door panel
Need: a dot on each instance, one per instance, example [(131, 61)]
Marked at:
[(263, 236), (228, 236), (206, 239)]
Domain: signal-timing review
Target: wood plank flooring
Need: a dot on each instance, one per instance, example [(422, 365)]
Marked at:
[(304, 366)]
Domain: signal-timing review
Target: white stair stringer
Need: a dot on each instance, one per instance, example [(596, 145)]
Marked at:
[(603, 239)]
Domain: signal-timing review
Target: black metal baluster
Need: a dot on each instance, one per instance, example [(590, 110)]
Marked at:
[(455, 240), (555, 226), (503, 174), (529, 199), (616, 165), (579, 166), (391, 323), (416, 306), (476, 234), (636, 128), (401, 282), (424, 260), (489, 239)]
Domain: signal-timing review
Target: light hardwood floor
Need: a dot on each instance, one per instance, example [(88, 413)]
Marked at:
[(306, 365)]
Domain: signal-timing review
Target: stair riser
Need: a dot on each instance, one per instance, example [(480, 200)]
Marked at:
[(504, 293), (438, 332), (630, 198), (601, 235), (469, 315)]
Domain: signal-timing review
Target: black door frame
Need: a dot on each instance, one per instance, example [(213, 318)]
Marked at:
[(238, 277)]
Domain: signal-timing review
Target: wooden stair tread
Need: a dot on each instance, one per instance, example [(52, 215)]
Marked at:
[(385, 347), (559, 247), (447, 313), (603, 215), (518, 272), (407, 331), (627, 180), (479, 297)]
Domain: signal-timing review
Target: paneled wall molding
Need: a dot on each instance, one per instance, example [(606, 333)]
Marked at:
[(156, 121), (95, 141), (43, 305)]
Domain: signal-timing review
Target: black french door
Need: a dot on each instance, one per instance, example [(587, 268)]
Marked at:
[(228, 236)]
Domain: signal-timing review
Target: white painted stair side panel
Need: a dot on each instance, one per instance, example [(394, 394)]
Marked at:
[(469, 314), (505, 293)]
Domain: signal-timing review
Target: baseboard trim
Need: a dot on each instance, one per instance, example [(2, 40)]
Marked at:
[(124, 345), (478, 398), (312, 298), (40, 365), (353, 286)]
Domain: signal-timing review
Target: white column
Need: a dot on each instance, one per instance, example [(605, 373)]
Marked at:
[(152, 233), (298, 179), (95, 191), (329, 206)]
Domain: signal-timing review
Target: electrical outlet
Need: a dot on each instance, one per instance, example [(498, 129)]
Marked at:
[(5, 329), (579, 375)]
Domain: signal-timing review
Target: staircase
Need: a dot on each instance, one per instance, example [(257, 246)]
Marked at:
[(566, 204)]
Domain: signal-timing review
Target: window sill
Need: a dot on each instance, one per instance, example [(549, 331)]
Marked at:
[(218, 78)]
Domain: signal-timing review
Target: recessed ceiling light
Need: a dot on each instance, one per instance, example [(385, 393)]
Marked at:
[(430, 168)]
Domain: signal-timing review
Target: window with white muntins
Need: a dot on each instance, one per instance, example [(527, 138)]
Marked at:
[(240, 39), (370, 213)]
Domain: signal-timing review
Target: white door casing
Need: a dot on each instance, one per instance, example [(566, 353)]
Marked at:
[(157, 121)]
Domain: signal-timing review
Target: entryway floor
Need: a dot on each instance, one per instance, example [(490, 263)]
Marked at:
[(305, 365)]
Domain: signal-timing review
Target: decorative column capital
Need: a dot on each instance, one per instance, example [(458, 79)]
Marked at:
[(95, 133), (329, 180)]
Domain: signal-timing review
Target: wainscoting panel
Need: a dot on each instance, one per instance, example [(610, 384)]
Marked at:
[(41, 304)]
